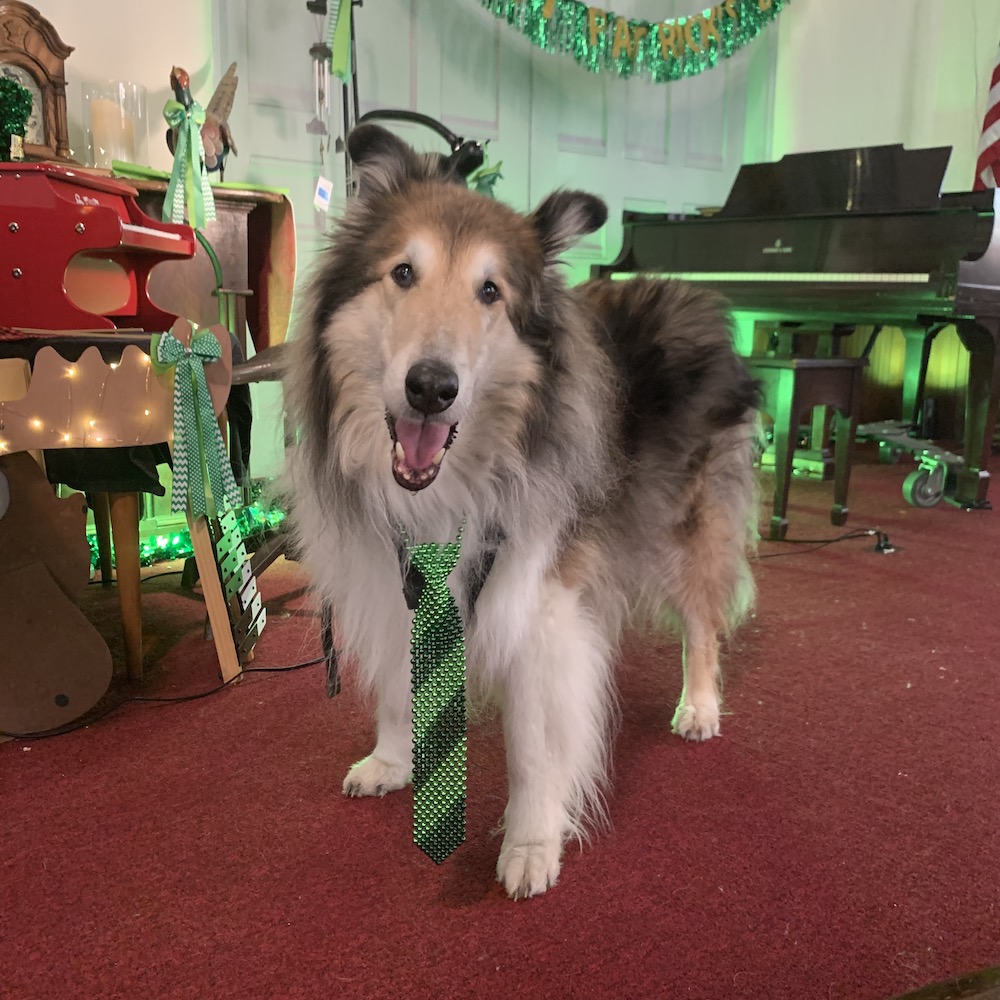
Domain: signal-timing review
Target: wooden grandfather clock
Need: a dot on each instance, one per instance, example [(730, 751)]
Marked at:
[(33, 54)]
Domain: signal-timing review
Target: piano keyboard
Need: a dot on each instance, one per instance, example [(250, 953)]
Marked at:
[(811, 277)]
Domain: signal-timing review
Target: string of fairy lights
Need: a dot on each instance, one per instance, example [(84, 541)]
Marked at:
[(66, 404), (68, 410)]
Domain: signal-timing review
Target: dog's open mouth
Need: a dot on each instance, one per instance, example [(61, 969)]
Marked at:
[(418, 448)]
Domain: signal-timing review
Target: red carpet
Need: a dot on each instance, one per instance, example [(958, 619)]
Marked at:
[(838, 842)]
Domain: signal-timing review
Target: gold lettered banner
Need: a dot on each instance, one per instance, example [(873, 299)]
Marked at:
[(604, 42)]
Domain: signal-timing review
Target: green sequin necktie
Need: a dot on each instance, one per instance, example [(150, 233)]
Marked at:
[(438, 678)]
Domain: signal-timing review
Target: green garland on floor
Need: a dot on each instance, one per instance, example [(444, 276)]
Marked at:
[(255, 522), (604, 42)]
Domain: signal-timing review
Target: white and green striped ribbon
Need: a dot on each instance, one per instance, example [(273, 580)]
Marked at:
[(340, 39), (199, 453), (188, 192)]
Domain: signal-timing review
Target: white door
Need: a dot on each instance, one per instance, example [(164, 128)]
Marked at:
[(650, 147), (655, 147)]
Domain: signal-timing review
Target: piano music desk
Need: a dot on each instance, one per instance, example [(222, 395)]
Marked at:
[(253, 239), (792, 387)]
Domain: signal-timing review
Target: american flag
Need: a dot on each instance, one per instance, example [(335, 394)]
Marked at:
[(988, 162)]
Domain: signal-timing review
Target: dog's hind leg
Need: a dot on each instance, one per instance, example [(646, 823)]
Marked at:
[(714, 590), (697, 714), (556, 709)]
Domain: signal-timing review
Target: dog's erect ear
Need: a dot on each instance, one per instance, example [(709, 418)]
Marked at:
[(385, 161), (566, 216)]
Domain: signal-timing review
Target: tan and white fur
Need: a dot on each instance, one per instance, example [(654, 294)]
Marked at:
[(596, 442)]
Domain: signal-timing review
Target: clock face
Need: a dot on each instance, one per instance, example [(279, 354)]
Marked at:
[(35, 131)]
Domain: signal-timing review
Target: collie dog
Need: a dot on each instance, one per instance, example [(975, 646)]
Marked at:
[(597, 442)]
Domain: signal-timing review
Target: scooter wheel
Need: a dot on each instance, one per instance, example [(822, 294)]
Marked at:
[(918, 491)]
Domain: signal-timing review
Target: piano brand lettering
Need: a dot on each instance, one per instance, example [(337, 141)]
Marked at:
[(778, 247)]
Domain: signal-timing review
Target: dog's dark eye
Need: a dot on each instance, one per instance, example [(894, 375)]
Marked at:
[(402, 274), (489, 293)]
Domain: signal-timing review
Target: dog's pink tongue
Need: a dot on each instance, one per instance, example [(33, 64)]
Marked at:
[(421, 442)]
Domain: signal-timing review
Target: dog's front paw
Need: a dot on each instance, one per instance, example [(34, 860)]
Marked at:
[(697, 720), (528, 869), (373, 776)]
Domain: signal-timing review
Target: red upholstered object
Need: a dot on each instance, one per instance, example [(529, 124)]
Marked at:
[(838, 841), (55, 213)]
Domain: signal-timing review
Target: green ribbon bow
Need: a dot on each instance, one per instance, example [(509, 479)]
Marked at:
[(198, 444), (189, 179), (438, 678)]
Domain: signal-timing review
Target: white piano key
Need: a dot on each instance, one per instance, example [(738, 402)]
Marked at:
[(797, 277), (127, 227)]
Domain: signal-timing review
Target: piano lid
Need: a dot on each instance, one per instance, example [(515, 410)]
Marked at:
[(872, 180), (77, 176)]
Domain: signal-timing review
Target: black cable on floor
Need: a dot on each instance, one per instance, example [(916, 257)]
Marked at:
[(114, 582), (882, 543), (89, 721)]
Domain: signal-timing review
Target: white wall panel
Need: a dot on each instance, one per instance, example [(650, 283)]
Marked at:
[(387, 54), (575, 105), (705, 107), (467, 54), (647, 123)]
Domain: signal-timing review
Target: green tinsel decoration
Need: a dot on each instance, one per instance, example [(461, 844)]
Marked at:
[(255, 524), (15, 106), (602, 41)]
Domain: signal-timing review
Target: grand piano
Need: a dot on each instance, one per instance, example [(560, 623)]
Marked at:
[(76, 323), (845, 237)]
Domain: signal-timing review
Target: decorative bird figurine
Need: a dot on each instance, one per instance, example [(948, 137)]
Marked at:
[(215, 134)]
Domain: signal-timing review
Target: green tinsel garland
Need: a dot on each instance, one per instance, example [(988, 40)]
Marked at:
[(255, 522), (15, 106), (602, 41)]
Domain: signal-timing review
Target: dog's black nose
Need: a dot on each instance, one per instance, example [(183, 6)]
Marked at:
[(431, 386)]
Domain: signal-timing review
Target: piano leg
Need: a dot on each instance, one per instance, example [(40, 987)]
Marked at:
[(844, 425), (981, 339), (916, 356), (783, 406), (125, 531)]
